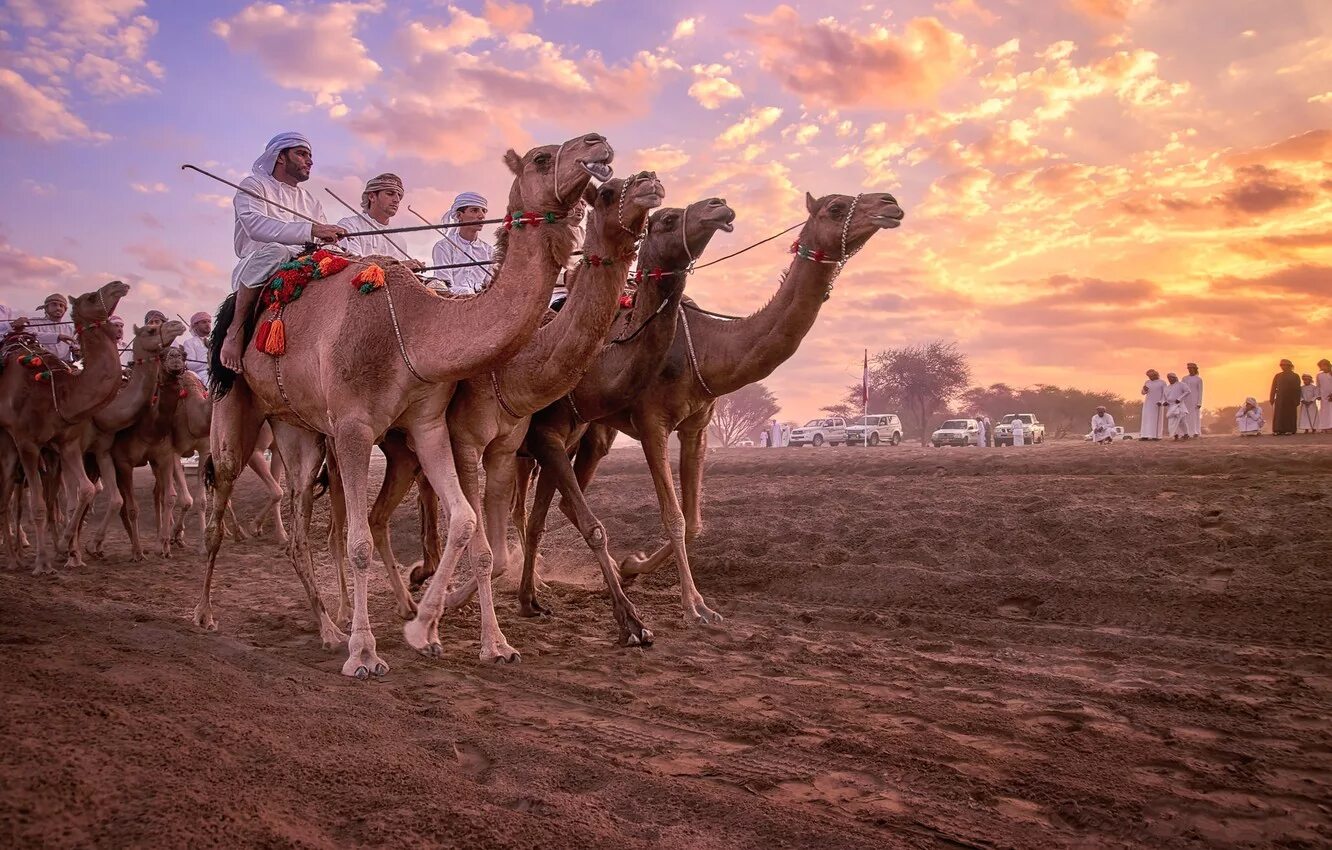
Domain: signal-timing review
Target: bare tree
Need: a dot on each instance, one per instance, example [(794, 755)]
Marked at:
[(739, 415), (922, 378)]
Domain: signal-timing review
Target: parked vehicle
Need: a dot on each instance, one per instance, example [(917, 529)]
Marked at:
[(1120, 435), (1032, 429), (957, 432), (875, 428), (745, 444), (817, 432)]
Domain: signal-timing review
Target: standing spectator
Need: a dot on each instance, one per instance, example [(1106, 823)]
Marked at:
[(1019, 431), (1195, 384), (1308, 405), (1285, 400), (1249, 418), (51, 330), (1103, 427), (1178, 407), (1324, 380), (1153, 406), (982, 430), (195, 345)]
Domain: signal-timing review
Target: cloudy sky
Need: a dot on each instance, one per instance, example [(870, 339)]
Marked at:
[(1092, 187)]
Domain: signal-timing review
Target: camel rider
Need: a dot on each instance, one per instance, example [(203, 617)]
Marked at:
[(154, 319), (118, 334), (379, 203), (267, 236), (464, 245), (49, 326), (195, 345)]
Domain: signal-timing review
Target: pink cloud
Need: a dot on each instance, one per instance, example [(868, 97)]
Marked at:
[(28, 112)]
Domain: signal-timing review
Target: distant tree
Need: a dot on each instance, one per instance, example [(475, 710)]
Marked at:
[(1220, 421), (922, 379), (842, 409), (739, 415), (1065, 411)]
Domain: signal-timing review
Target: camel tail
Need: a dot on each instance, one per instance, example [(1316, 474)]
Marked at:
[(321, 481), (220, 378), (209, 475)]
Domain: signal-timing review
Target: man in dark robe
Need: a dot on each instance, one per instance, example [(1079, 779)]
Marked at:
[(1285, 400)]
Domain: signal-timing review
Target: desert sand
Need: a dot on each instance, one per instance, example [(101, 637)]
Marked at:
[(1057, 646)]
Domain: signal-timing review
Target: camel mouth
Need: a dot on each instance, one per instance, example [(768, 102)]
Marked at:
[(600, 170), (887, 221), (652, 200), (726, 227)]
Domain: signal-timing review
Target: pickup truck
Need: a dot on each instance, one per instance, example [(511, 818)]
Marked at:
[(817, 432), (1032, 430)]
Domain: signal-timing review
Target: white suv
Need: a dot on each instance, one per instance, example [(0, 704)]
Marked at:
[(816, 432), (877, 428), (957, 432)]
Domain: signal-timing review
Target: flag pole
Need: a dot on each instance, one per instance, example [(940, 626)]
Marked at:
[(864, 397)]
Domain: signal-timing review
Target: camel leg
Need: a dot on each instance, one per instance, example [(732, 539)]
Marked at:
[(9, 463), (184, 501), (164, 500), (431, 438), (398, 473), (232, 434), (30, 458), (432, 547), (494, 647), (672, 517), (114, 502), (528, 605), (305, 451), (129, 507), (272, 507), (337, 534), (79, 492), (353, 442)]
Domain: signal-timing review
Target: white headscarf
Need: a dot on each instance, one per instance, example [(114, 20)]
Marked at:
[(462, 202), (263, 166)]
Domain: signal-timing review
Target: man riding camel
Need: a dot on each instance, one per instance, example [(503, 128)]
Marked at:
[(379, 203), (267, 236)]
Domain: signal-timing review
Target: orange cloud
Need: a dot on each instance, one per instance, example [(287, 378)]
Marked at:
[(831, 64)]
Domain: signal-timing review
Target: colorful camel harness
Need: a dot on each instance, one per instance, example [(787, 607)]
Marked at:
[(43, 363)]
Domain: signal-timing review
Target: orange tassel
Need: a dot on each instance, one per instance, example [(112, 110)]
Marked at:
[(261, 335), (369, 279), (276, 344)]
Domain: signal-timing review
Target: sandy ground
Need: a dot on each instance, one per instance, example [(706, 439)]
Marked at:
[(1059, 646)]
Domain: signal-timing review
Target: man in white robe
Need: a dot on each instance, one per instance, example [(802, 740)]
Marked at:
[(380, 200), (118, 333), (1178, 403), (1324, 381), (1153, 404), (52, 330), (1019, 431), (1103, 427), (578, 226), (464, 245), (266, 236), (982, 430), (1194, 382), (775, 435), (1249, 418), (7, 319), (1308, 405), (195, 345)]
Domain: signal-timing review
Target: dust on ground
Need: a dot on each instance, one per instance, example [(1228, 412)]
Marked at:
[(1055, 646)]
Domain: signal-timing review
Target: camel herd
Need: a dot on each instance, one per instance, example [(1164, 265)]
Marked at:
[(446, 387)]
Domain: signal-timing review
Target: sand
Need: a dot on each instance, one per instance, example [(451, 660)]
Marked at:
[(1056, 646)]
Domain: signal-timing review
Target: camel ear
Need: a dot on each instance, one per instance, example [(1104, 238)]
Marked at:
[(514, 161), (810, 204), (136, 329)]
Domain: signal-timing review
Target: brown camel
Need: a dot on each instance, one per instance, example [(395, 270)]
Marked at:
[(714, 356), (98, 434), (488, 416), (358, 364), (36, 412), (615, 378)]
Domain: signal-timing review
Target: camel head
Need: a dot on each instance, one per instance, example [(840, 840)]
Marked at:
[(150, 342), (677, 237), (94, 308), (620, 206), (173, 362), (829, 231), (551, 178)]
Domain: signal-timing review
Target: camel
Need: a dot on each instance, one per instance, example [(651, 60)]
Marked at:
[(40, 403), (358, 363), (488, 416), (614, 379), (715, 356)]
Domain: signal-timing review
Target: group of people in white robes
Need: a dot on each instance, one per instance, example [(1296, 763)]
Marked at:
[(1172, 407)]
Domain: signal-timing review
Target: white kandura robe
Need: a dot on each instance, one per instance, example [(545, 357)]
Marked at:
[(1103, 427), (1195, 385), (1019, 433), (1323, 380), (1178, 401), (367, 246), (1309, 407), (1249, 421), (48, 335), (266, 236), (775, 435), (196, 354), (455, 249), (1153, 394)]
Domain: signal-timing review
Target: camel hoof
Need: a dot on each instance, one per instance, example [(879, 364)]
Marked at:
[(503, 655), (641, 637), (381, 669), (533, 608), (633, 640), (42, 570), (362, 673)]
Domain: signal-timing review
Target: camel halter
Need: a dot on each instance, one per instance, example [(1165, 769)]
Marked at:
[(559, 197), (693, 358), (804, 252)]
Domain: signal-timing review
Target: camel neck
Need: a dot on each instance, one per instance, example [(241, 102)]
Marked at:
[(80, 395), (732, 354), (129, 402)]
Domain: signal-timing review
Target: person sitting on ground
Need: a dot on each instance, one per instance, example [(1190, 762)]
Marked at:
[(464, 245), (1308, 405), (1103, 427), (267, 236), (1249, 418)]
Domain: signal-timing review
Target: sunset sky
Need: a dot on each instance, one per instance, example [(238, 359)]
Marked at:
[(1092, 187)]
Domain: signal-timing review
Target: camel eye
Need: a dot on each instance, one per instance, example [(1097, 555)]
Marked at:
[(541, 158), (836, 211)]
